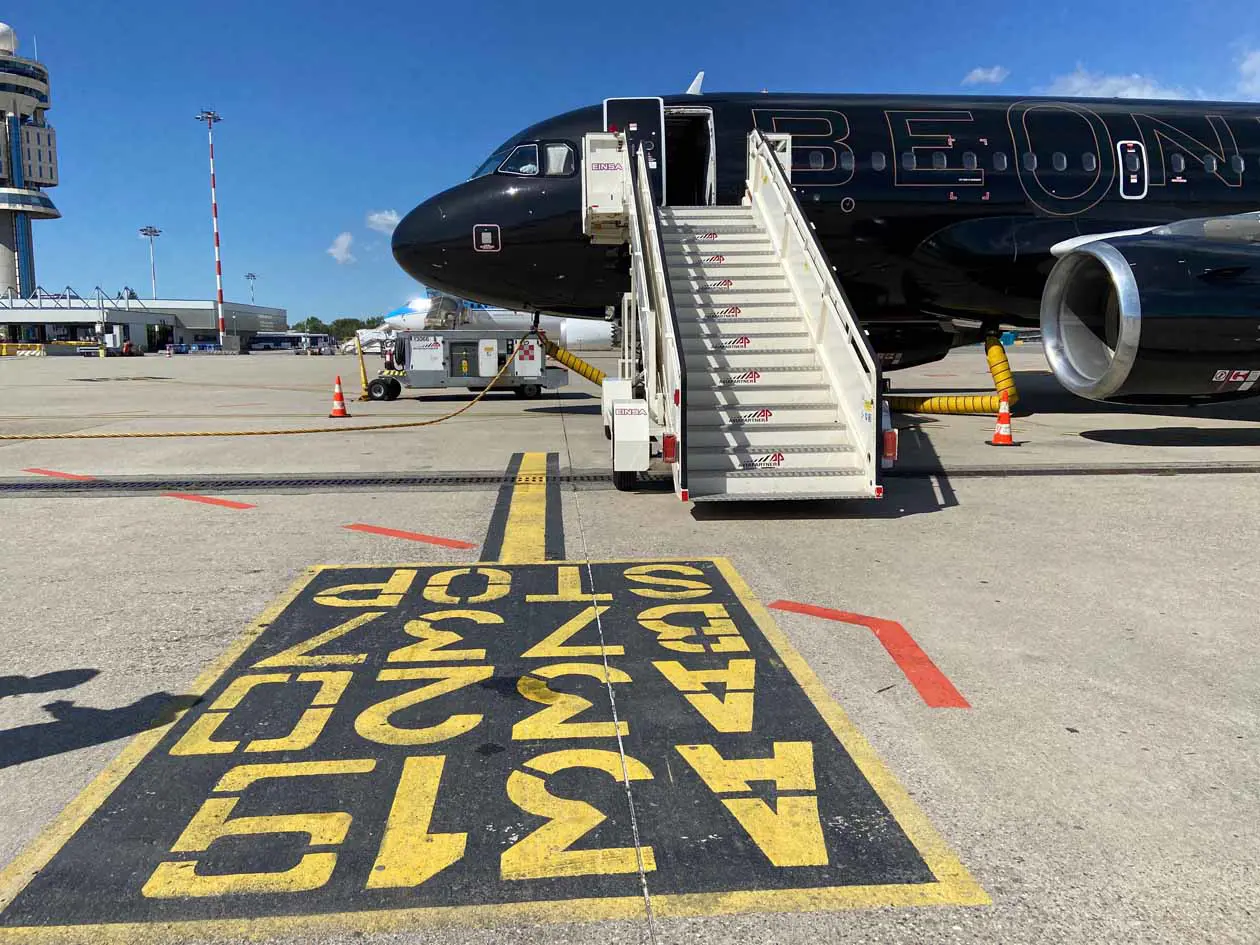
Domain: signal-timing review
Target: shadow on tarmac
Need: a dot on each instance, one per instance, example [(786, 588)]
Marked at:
[(1039, 392), (46, 682), (498, 395), (81, 726), (1177, 436)]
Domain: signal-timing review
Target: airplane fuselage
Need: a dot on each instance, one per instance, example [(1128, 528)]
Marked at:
[(939, 213)]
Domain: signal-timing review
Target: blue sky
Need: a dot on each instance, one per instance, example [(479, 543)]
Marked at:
[(335, 111)]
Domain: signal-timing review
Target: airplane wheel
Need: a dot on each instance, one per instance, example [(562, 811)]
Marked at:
[(378, 388), (624, 479)]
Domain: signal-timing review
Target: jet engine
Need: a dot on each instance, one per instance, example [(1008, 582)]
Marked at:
[(1170, 316)]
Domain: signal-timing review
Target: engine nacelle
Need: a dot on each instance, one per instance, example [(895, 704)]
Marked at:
[(1161, 318)]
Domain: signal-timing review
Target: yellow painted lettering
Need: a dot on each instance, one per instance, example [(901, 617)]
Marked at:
[(199, 738), (300, 653), (553, 645), (384, 594), (730, 712), (553, 721), (498, 584), (374, 723), (545, 852), (568, 589), (717, 624), (213, 821), (409, 855), (791, 768), (653, 574), (790, 833), (434, 643)]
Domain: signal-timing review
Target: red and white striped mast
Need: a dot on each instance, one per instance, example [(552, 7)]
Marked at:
[(210, 117)]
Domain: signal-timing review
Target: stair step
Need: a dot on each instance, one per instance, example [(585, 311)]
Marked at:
[(751, 485), (702, 298), (756, 377), (745, 415), (723, 212), (774, 435), (745, 356), (743, 237), (783, 459), (738, 327), (750, 396), (760, 303), (768, 268), (769, 281)]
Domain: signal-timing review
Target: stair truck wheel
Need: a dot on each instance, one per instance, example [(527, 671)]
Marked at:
[(395, 388), (624, 479), (378, 388)]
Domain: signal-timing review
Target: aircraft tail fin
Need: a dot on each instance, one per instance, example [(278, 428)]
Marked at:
[(694, 88)]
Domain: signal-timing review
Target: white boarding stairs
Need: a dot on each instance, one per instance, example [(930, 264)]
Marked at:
[(781, 386)]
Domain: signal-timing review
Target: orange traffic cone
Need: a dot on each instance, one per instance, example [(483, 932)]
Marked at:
[(339, 401), (1002, 432)]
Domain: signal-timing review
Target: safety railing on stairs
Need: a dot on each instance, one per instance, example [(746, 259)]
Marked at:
[(664, 363), (844, 352)]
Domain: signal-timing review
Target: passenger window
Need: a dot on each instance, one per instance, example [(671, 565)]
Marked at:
[(1131, 162), (522, 161), (1089, 161), (969, 160), (938, 160), (999, 161), (846, 160), (1237, 163), (907, 160), (559, 159), (816, 160), (1209, 163), (1059, 160), (878, 161), (1178, 164), (1030, 161)]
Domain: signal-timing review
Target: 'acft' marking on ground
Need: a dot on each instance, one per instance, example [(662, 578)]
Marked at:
[(932, 685), (409, 536), (57, 474), (209, 500), (419, 743)]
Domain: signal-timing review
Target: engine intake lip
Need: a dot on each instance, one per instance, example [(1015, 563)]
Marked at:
[(1080, 359)]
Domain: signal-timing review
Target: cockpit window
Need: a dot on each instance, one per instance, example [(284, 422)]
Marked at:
[(560, 160), (491, 164), (523, 161)]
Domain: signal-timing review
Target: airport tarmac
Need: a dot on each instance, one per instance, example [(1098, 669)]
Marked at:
[(1014, 701)]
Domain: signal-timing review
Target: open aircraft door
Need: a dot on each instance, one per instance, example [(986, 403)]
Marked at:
[(642, 120)]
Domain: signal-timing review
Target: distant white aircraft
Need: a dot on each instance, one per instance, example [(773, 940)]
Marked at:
[(444, 312)]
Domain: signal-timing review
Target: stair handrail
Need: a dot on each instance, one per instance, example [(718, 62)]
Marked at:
[(797, 245), (662, 345)]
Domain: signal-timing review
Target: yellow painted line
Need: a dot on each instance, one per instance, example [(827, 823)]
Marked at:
[(524, 538), (22, 870)]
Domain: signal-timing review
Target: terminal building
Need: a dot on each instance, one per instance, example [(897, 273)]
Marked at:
[(149, 324)]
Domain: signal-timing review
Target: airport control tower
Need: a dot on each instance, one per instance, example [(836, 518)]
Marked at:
[(28, 162)]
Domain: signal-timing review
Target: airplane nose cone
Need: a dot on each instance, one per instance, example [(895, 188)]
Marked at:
[(420, 241)]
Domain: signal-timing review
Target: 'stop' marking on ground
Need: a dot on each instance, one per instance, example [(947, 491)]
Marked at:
[(419, 743)]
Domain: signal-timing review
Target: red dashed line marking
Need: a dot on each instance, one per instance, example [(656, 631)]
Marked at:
[(57, 474), (208, 500)]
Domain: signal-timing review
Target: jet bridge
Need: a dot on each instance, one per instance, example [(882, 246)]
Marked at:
[(743, 367)]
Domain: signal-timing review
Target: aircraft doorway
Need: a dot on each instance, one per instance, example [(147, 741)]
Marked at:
[(690, 156)]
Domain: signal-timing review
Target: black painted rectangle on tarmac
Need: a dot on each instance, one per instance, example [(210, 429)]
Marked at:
[(421, 740)]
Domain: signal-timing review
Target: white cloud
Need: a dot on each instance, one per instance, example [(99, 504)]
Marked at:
[(994, 75), (340, 249), (1249, 75), (383, 221), (1101, 85)]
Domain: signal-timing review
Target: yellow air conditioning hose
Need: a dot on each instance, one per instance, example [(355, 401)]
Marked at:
[(1003, 380)]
